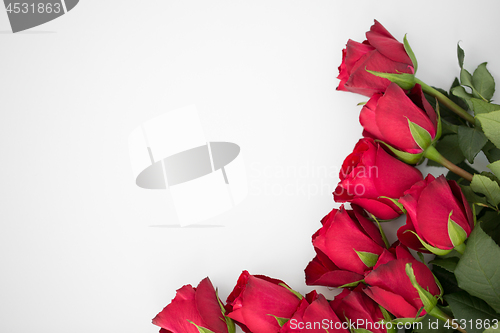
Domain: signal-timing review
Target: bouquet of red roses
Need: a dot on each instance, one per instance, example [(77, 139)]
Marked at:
[(387, 287)]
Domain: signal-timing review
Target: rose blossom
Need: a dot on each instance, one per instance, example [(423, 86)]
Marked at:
[(386, 117), (257, 300), (431, 204), (390, 286), (347, 246), (198, 305), (380, 52), (370, 176), (355, 306), (314, 315)]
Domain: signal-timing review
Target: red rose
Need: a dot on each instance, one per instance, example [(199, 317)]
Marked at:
[(356, 307), (368, 174), (190, 307), (314, 315), (347, 245), (435, 205), (380, 52), (258, 300), (386, 117), (390, 286)]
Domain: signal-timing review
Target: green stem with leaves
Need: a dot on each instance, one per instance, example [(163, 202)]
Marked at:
[(446, 102), (432, 154)]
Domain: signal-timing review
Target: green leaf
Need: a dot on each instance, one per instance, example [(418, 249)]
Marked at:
[(447, 279), (483, 82), (493, 329), (481, 106), (428, 300), (466, 78), (492, 153), (429, 247), (296, 293), (449, 128), (410, 53), (471, 141), (231, 327), (454, 98), (201, 329), (456, 233), (382, 233), (490, 123), (467, 307), (368, 258), (490, 223), (350, 285), (478, 270), (472, 197), (491, 176), (420, 135), (461, 56), (402, 155), (404, 80), (484, 185), (447, 263), (460, 92), (495, 167), (281, 321)]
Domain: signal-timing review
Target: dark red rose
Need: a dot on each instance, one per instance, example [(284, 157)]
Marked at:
[(435, 205), (198, 305), (356, 307), (257, 300), (386, 117), (314, 315), (390, 286), (347, 246), (380, 52), (370, 176)]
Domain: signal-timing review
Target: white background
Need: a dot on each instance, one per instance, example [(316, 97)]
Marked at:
[(83, 249)]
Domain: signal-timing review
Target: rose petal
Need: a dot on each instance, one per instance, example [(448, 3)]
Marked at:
[(394, 303)]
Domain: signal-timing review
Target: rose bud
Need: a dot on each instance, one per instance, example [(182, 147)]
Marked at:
[(380, 52), (406, 123), (348, 245), (314, 315), (194, 308), (374, 180), (356, 307), (439, 217), (402, 285), (258, 302)]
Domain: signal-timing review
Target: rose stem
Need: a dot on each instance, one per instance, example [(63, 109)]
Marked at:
[(432, 154), (436, 312), (447, 102)]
